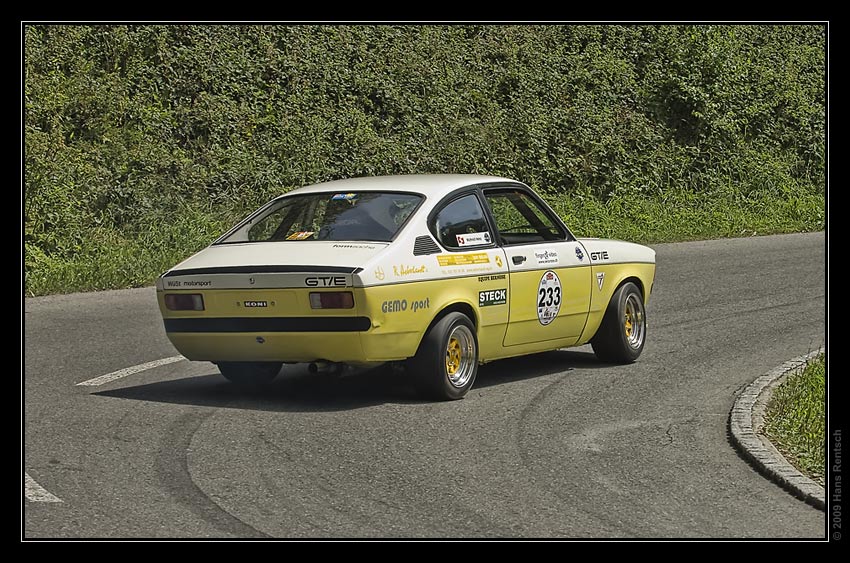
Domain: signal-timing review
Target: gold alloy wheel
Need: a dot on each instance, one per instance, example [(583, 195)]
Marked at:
[(634, 325), (453, 357), (460, 356)]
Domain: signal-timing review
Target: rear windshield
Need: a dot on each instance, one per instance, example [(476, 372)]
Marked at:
[(364, 216)]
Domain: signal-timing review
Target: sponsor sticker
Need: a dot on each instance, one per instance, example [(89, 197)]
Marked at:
[(379, 273), (579, 254), (492, 297), (498, 261), (300, 235), (600, 279), (345, 197), (255, 303), (546, 256), (473, 239), (463, 259), (548, 297)]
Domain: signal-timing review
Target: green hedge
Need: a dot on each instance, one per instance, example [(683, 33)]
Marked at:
[(143, 142)]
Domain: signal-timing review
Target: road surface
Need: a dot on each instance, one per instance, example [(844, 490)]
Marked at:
[(553, 445)]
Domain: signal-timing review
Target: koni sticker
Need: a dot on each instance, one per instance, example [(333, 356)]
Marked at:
[(473, 239), (546, 256), (463, 259), (548, 297)]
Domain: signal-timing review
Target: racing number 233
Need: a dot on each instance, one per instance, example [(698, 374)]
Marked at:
[(549, 297), (549, 293)]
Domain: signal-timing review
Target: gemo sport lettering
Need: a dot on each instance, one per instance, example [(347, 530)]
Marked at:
[(399, 305), (324, 281)]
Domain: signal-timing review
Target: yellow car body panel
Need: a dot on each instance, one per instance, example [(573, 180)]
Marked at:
[(521, 298)]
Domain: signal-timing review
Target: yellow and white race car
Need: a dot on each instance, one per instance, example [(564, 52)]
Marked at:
[(441, 272)]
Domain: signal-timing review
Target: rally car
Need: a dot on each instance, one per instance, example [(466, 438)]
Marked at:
[(439, 273)]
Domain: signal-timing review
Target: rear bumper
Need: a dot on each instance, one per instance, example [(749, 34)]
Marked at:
[(347, 347)]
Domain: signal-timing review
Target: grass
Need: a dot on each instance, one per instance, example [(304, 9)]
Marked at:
[(795, 419), (108, 259)]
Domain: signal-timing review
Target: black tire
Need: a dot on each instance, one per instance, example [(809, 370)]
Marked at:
[(622, 334), (446, 363), (249, 374)]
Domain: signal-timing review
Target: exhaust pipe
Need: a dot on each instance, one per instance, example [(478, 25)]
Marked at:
[(329, 368)]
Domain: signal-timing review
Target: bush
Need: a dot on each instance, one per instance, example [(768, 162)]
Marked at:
[(136, 136)]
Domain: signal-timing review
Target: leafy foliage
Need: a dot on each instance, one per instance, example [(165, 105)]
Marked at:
[(142, 142)]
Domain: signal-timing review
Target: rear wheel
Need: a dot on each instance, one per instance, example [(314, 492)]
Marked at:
[(446, 364), (621, 336), (249, 374)]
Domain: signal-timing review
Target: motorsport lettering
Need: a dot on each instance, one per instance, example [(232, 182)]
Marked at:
[(190, 283)]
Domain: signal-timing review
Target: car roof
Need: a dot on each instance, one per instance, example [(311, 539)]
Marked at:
[(433, 185)]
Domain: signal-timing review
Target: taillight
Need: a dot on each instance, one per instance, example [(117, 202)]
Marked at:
[(332, 300), (184, 301)]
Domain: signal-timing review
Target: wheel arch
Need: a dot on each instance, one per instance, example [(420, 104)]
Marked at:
[(463, 307), (635, 280), (595, 316)]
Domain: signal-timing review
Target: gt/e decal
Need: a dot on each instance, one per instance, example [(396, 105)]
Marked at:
[(601, 255), (256, 303), (324, 281), (492, 297), (548, 297)]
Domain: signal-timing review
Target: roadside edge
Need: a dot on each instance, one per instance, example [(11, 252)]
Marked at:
[(746, 420)]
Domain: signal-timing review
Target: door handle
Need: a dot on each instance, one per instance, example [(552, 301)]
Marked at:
[(517, 260)]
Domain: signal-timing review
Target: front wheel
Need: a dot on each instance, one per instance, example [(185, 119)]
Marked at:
[(446, 364), (249, 374), (621, 336)]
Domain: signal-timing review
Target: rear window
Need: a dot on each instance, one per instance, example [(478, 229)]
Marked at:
[(361, 216)]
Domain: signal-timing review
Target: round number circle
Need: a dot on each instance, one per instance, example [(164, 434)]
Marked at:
[(548, 297)]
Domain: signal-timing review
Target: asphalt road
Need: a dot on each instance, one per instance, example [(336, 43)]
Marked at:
[(553, 445)]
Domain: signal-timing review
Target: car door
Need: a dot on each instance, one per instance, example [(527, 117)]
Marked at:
[(549, 274), (473, 266)]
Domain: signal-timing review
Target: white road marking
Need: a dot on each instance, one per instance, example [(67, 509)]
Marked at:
[(130, 371), (36, 493)]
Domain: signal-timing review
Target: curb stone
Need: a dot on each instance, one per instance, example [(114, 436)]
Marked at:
[(746, 420)]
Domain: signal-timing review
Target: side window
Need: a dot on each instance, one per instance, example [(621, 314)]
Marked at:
[(461, 224), (520, 219)]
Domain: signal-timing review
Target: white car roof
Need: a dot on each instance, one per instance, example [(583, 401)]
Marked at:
[(432, 185)]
